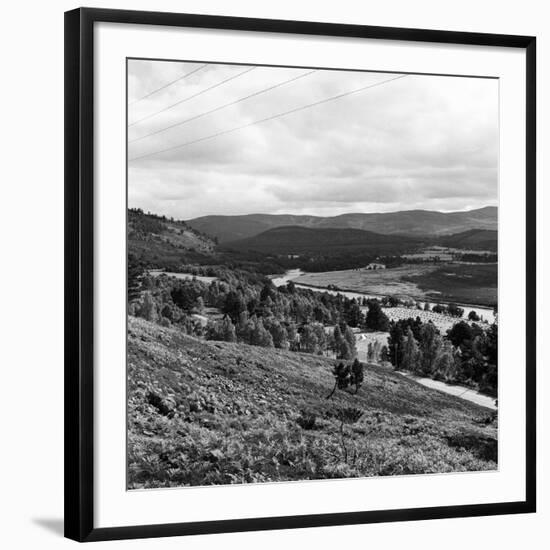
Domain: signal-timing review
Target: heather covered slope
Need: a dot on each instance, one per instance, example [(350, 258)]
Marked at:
[(203, 412)]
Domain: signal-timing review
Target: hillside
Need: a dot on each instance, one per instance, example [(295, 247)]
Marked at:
[(302, 240), (202, 412), (411, 222), (476, 239), (162, 241)]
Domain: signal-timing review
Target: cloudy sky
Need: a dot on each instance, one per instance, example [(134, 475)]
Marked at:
[(418, 141)]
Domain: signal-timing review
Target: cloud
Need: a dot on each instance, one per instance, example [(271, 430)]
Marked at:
[(417, 142)]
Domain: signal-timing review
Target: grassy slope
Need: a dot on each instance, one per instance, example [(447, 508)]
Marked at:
[(166, 243), (215, 413)]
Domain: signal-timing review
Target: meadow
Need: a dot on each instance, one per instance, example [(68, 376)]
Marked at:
[(462, 283), (451, 282)]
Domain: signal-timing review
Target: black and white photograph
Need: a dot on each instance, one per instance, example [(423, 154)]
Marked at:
[(312, 274)]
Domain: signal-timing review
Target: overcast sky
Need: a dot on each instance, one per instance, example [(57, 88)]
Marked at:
[(426, 142)]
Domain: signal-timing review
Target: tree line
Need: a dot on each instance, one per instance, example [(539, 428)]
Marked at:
[(466, 354), (253, 310)]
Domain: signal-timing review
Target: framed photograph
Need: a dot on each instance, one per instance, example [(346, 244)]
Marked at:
[(300, 274)]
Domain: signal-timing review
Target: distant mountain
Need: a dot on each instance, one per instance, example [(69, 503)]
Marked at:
[(328, 241), (410, 222), (476, 239)]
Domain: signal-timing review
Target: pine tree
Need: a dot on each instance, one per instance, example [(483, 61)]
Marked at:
[(135, 276), (353, 314), (411, 354), (234, 305), (199, 304), (445, 366), (376, 319), (376, 351), (228, 331), (396, 340), (267, 292), (430, 347), (370, 353), (309, 341), (384, 354), (148, 308), (278, 333), (344, 350), (259, 335), (350, 339), (357, 374)]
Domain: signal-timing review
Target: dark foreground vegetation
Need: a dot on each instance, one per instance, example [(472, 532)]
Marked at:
[(204, 413)]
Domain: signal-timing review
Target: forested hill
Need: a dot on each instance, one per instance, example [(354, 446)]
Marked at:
[(411, 222), (477, 239), (301, 240), (160, 240)]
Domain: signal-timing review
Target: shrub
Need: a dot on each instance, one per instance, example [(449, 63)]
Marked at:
[(306, 420), (347, 375)]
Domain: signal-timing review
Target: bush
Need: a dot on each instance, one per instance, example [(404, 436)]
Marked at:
[(306, 420)]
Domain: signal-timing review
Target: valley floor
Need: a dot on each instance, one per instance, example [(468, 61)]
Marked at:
[(453, 282)]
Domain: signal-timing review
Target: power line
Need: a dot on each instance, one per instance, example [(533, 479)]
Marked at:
[(168, 84), (273, 117), (255, 94), (192, 96)]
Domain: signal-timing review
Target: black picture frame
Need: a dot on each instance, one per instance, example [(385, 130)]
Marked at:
[(79, 268)]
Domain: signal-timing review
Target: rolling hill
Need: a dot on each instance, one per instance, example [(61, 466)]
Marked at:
[(411, 222), (328, 241), (160, 241), (203, 412)]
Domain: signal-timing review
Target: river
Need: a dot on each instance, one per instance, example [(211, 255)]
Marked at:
[(485, 313)]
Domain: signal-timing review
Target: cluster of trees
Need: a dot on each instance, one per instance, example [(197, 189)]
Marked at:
[(452, 309), (467, 354), (376, 352), (480, 258), (347, 375), (271, 332), (254, 311)]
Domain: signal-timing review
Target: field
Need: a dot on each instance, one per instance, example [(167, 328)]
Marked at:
[(442, 322), (202, 413), (380, 281), (464, 283), (461, 283)]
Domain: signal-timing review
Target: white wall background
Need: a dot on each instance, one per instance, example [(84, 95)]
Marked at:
[(31, 273)]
